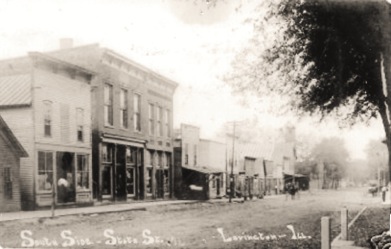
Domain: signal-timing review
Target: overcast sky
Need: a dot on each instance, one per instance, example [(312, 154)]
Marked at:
[(193, 44)]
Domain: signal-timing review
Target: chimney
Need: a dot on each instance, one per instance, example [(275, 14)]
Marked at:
[(66, 43)]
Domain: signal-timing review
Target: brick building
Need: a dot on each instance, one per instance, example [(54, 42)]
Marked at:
[(131, 125), (10, 153), (47, 104)]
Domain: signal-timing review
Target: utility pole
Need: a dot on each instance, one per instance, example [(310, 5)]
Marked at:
[(231, 178)]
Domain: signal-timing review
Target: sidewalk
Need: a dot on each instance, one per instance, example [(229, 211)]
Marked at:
[(109, 208)]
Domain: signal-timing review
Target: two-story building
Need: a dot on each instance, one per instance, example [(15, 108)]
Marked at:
[(132, 119), (47, 104)]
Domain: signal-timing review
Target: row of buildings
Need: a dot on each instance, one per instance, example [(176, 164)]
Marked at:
[(85, 124)]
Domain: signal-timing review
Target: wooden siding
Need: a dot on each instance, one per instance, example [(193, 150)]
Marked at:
[(20, 121), (9, 159), (66, 96)]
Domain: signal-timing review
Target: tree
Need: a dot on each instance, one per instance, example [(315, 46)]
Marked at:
[(332, 153), (328, 56)]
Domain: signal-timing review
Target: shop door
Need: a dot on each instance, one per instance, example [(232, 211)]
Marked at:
[(160, 183), (65, 177), (120, 191)]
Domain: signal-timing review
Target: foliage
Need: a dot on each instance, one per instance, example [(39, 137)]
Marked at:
[(334, 155), (324, 55)]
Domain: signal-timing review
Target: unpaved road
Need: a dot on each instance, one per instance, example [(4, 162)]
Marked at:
[(253, 224)]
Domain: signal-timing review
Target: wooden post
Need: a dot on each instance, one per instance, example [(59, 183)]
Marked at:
[(344, 224), (53, 199), (325, 233)]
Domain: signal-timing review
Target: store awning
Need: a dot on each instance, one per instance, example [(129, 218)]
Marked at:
[(123, 142), (203, 170)]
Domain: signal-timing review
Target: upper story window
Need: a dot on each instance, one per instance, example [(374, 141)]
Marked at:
[(47, 118), (167, 122), (186, 154), (123, 105), (151, 115), (80, 124), (159, 121), (137, 111), (195, 154), (108, 101)]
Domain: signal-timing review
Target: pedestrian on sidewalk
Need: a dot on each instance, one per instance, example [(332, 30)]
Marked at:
[(384, 189)]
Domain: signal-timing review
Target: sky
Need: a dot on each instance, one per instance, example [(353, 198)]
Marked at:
[(189, 41)]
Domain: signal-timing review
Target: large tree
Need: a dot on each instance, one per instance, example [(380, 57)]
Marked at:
[(327, 56)]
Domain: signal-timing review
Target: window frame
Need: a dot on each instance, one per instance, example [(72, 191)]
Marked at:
[(45, 170), (8, 183), (47, 118), (108, 92), (137, 112), (151, 119), (85, 172), (80, 124), (123, 107)]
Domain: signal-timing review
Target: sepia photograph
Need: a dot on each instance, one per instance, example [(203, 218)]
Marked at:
[(195, 124)]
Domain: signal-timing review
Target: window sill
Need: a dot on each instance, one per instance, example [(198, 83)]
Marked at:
[(109, 126)]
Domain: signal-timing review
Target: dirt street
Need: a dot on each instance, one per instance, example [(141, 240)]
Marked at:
[(273, 222)]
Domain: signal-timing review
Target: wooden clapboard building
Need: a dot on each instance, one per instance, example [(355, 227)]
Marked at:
[(46, 103)]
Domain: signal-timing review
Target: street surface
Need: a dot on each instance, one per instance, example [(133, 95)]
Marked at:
[(267, 223)]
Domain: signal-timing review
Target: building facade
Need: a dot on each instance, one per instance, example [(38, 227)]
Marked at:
[(132, 120), (10, 153), (47, 104), (199, 165)]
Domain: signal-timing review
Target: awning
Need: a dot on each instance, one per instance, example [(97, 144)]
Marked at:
[(123, 142), (203, 170)]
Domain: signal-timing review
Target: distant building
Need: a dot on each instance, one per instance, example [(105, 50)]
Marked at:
[(132, 117), (199, 165), (47, 104), (10, 153)]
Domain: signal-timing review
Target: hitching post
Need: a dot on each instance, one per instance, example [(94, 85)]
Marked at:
[(344, 224), (325, 233)]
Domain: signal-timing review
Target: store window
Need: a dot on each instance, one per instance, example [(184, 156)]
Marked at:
[(45, 170), (82, 172), (106, 180), (149, 180), (107, 153), (130, 180)]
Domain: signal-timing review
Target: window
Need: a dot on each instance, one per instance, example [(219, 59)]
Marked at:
[(167, 122), (106, 180), (108, 101), (45, 170), (123, 98), (130, 180), (166, 183), (7, 183), (195, 154), (47, 118), (186, 154), (130, 156), (159, 121), (107, 153), (136, 112), (151, 119), (82, 172), (80, 124), (149, 181)]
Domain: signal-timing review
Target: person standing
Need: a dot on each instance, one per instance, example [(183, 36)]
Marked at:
[(383, 192)]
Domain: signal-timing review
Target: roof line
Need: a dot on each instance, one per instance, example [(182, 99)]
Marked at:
[(14, 141), (55, 60)]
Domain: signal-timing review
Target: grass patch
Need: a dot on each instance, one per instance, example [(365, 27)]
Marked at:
[(372, 222)]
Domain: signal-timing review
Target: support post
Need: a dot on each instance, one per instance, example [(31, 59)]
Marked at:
[(344, 224), (325, 233)]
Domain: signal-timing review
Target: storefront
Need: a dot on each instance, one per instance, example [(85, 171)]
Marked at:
[(66, 174)]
